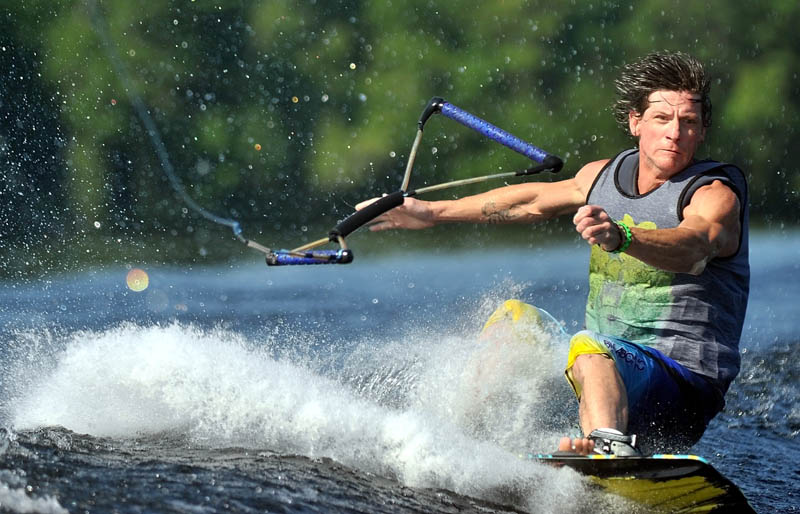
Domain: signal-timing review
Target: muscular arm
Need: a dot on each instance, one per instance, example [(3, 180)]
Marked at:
[(520, 203), (710, 228)]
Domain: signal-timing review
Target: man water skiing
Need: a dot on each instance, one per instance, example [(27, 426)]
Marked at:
[(669, 272)]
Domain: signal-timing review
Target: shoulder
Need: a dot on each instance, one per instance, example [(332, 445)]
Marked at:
[(716, 196), (593, 167), (716, 205), (572, 192), (588, 174)]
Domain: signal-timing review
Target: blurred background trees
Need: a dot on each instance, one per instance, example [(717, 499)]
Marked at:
[(284, 114)]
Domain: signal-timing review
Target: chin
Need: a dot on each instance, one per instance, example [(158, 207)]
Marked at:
[(672, 165)]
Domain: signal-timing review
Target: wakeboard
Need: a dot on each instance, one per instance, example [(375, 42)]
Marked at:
[(661, 482)]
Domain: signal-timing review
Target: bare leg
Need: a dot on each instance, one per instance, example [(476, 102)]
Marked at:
[(603, 402)]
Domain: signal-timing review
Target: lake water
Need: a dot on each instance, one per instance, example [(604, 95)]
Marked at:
[(341, 388)]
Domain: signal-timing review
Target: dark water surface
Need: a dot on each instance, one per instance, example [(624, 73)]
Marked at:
[(341, 389)]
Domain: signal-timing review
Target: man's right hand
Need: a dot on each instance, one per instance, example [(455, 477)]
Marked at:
[(413, 214), (595, 226)]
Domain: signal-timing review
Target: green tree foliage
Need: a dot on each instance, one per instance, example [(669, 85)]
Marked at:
[(282, 114)]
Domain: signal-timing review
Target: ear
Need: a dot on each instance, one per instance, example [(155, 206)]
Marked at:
[(633, 123)]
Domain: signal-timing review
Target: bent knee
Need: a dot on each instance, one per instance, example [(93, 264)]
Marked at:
[(590, 362), (586, 351)]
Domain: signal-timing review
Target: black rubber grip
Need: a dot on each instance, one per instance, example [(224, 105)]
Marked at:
[(365, 215)]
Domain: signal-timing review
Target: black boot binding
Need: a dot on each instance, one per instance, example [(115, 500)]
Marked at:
[(609, 443)]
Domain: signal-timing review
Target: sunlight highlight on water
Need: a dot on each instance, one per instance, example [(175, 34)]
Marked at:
[(137, 280)]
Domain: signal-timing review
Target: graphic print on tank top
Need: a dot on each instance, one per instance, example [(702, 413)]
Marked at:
[(627, 297)]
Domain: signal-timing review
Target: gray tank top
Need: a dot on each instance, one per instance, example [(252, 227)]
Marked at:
[(695, 320)]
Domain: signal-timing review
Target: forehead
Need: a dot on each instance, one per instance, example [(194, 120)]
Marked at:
[(682, 101)]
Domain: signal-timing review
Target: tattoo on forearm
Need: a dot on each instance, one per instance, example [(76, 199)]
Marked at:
[(494, 215)]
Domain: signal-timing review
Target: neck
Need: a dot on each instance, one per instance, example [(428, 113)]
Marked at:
[(647, 182), (651, 176)]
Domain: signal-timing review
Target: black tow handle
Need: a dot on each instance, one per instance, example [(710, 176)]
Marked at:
[(367, 214)]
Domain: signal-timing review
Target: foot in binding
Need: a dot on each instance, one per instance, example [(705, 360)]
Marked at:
[(613, 442)]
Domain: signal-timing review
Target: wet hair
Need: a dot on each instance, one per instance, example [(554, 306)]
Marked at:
[(669, 71)]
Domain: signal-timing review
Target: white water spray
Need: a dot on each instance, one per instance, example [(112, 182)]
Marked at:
[(215, 389)]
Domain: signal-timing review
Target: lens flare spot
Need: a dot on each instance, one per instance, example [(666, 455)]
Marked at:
[(137, 280)]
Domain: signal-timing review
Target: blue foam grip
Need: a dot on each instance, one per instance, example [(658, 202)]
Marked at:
[(492, 132), (284, 258)]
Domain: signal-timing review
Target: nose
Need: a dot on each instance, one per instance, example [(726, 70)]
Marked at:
[(674, 129)]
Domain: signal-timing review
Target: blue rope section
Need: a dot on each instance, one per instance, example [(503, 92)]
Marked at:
[(150, 126)]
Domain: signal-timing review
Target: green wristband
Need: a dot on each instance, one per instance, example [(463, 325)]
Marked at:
[(626, 236)]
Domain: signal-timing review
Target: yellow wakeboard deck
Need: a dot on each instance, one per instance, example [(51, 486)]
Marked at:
[(668, 483)]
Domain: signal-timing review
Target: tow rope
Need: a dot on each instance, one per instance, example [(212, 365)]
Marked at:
[(309, 253)]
